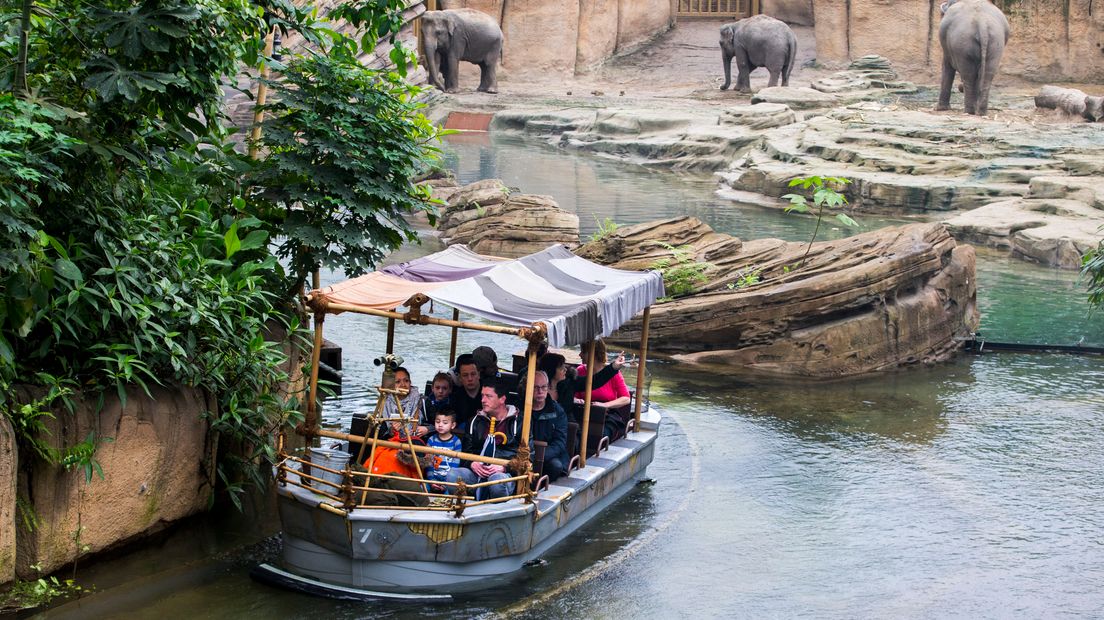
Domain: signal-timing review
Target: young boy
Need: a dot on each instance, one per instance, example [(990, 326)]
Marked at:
[(444, 467), (438, 398)]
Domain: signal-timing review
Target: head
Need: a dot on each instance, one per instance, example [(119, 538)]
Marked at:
[(599, 352), (468, 373), (540, 390), (494, 398), (487, 361), (444, 422), (402, 378), (442, 386), (554, 366)]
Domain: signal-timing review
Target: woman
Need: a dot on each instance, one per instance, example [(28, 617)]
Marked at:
[(415, 426), (612, 393)]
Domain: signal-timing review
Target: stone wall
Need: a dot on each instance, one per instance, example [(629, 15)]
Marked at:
[(1048, 43), (570, 36), (158, 468), (8, 466), (797, 12)]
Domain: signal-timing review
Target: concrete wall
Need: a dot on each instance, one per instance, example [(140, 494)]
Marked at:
[(1048, 43), (570, 36), (158, 468), (797, 12)]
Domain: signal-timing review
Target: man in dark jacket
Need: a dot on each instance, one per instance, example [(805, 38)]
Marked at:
[(503, 444), (549, 426)]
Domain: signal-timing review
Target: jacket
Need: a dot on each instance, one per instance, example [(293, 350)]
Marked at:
[(550, 425), (476, 432)]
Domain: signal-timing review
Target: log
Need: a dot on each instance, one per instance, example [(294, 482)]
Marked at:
[(1071, 101)]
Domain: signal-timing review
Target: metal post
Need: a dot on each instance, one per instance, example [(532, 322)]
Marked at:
[(640, 366), (455, 334), (586, 404)]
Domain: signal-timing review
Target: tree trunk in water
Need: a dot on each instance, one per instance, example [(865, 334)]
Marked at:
[(1071, 101)]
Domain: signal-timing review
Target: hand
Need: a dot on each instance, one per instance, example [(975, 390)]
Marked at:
[(481, 470), (619, 361), (422, 431)]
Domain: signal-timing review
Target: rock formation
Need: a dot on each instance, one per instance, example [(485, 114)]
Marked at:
[(490, 219), (876, 301), (158, 464), (908, 162)]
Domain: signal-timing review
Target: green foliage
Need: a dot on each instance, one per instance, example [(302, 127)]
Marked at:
[(826, 194), (681, 273), (137, 248), (606, 227), (745, 278), (1092, 269), (343, 143), (35, 593)]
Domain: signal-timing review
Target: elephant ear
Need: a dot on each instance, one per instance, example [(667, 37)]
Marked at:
[(451, 24)]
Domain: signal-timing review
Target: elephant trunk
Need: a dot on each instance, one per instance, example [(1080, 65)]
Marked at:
[(429, 50), (726, 60)]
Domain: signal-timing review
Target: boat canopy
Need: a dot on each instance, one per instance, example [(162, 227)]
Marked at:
[(576, 299)]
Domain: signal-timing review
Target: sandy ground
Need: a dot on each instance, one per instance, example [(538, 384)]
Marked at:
[(684, 65)]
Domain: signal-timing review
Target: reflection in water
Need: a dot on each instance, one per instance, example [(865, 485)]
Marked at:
[(968, 489)]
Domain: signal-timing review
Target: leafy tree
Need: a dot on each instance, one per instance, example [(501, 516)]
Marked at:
[(1092, 269), (827, 194), (136, 245)]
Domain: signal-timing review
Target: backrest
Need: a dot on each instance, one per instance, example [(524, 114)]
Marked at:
[(572, 439), (537, 457)]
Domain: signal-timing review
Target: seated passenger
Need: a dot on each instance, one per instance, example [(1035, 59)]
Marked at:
[(443, 423), (415, 426), (613, 395), (478, 440), (487, 361), (550, 426), (562, 388), (465, 398), (438, 398)]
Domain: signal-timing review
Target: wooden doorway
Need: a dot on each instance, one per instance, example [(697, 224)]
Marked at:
[(736, 9)]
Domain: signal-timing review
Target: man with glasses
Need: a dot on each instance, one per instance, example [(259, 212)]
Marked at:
[(549, 426)]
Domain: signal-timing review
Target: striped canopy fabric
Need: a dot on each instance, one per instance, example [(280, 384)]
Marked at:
[(576, 299)]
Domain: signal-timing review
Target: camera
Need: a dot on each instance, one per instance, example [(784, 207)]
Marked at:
[(389, 361)]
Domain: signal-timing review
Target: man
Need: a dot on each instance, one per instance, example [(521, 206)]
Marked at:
[(549, 426), (487, 361), (466, 399), (477, 440)]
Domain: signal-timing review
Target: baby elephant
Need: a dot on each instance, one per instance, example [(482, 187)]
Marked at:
[(973, 35), (452, 35), (758, 41)]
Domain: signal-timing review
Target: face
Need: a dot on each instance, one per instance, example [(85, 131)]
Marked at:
[(402, 380), (444, 424), (492, 402), (469, 377), (441, 389), (540, 391), (561, 372)]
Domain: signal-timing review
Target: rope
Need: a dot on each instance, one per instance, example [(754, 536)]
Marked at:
[(603, 566)]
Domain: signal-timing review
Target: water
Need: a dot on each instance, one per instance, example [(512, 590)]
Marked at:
[(967, 489)]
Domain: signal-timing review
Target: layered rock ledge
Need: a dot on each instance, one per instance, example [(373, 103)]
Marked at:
[(873, 302)]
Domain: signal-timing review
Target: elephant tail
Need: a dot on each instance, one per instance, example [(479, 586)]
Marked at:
[(984, 36), (791, 58)]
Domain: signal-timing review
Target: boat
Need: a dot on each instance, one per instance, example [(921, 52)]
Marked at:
[(339, 542)]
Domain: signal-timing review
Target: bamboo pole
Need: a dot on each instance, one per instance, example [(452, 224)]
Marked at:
[(455, 336), (530, 377), (390, 335), (262, 96), (586, 404), (464, 456), (640, 366), (311, 419), (521, 332)]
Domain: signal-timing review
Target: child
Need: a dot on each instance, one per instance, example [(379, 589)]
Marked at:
[(444, 467), (438, 398)]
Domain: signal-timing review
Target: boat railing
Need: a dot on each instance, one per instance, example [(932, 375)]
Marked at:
[(355, 486)]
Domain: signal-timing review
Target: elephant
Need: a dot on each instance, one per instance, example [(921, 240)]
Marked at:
[(973, 35), (758, 41), (452, 35)]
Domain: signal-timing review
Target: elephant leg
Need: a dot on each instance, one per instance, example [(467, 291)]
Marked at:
[(970, 81), (775, 74), (946, 84), (488, 80), (743, 77), (452, 78)]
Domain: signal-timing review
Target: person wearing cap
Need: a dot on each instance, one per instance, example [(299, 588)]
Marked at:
[(486, 360)]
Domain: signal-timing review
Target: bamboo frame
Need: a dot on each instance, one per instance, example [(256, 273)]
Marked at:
[(420, 449), (640, 366), (586, 405), (520, 332)]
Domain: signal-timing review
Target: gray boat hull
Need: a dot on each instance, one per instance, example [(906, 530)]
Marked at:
[(407, 551)]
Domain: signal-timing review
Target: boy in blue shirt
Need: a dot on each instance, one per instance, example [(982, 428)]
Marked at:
[(444, 467)]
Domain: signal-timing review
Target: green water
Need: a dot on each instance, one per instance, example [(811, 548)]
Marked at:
[(967, 489)]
